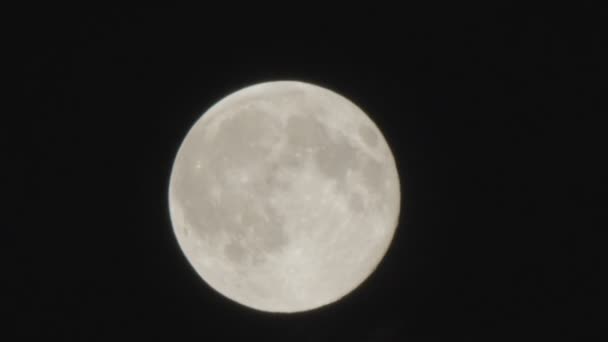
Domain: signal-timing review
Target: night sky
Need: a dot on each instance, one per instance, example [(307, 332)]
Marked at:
[(493, 116)]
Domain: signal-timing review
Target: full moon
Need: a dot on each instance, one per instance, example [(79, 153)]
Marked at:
[(284, 196)]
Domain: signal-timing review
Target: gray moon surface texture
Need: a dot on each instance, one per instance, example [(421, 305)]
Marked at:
[(284, 196)]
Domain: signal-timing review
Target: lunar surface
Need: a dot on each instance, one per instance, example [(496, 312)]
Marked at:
[(284, 196)]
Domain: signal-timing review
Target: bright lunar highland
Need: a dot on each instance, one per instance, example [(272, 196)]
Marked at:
[(284, 196)]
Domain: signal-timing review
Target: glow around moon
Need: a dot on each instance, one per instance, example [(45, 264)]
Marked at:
[(284, 196)]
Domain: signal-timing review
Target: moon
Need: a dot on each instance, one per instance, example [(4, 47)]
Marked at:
[(284, 196)]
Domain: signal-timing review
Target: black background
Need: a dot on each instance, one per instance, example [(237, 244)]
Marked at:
[(494, 116)]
